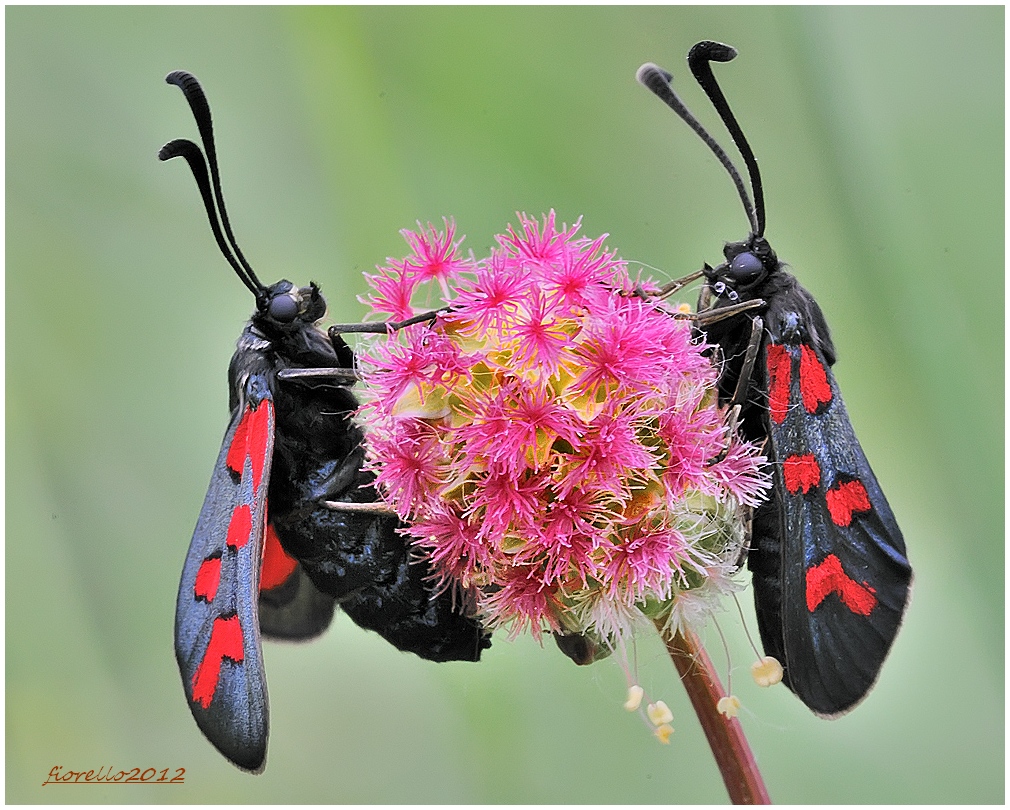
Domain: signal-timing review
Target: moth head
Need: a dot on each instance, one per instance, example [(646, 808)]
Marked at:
[(748, 264), (284, 303)]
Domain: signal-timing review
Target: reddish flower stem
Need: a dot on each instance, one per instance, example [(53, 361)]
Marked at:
[(725, 735)]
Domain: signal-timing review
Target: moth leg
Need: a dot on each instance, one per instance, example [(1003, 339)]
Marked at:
[(750, 357), (705, 298), (373, 508), (343, 376), (341, 372), (736, 402), (345, 355), (671, 287), (381, 327), (709, 316)]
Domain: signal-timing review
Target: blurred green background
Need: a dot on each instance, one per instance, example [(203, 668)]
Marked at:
[(880, 135)]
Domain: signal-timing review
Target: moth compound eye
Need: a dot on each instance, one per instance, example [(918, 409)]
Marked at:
[(283, 309), (745, 268)]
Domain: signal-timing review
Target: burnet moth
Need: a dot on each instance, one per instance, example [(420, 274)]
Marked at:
[(288, 528), (831, 579)]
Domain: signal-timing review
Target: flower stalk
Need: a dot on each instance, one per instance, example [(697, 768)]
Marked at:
[(725, 735)]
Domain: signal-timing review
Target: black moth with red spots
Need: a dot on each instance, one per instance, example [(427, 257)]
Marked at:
[(255, 570), (831, 579)]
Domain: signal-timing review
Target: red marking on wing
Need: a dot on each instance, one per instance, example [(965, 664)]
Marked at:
[(828, 577), (239, 447), (779, 372), (250, 441), (208, 577), (814, 386), (258, 435), (225, 642), (801, 472), (845, 499), (240, 526), (277, 563)]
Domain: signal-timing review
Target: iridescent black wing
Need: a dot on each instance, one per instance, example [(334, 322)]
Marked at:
[(831, 600), (217, 635)]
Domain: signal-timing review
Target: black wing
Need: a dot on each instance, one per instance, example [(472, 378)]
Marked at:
[(843, 573), (217, 634)]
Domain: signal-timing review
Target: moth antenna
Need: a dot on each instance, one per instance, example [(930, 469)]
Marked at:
[(699, 59), (659, 81), (200, 107), (198, 166)]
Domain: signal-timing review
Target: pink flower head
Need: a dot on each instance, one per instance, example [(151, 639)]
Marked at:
[(536, 242), (434, 256), (552, 436), (491, 299), (513, 427), (393, 288), (413, 463), (537, 336), (415, 361)]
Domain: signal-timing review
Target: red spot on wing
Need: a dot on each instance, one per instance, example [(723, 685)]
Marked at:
[(779, 372), (225, 642), (240, 526), (844, 499), (259, 433), (801, 473), (814, 386), (239, 447), (277, 564), (828, 578), (208, 577), (250, 441)]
